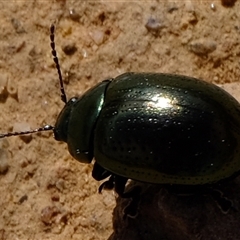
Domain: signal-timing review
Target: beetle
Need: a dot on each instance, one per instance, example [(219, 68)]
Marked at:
[(151, 127)]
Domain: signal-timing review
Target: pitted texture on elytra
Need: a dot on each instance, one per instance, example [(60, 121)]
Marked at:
[(168, 129)]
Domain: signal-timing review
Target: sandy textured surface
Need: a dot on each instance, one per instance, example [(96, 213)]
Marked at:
[(44, 193)]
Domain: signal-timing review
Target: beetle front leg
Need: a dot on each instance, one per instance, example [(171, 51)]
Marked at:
[(99, 173), (118, 183), (131, 210), (114, 182), (108, 185)]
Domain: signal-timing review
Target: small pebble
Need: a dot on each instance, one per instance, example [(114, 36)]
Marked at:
[(17, 26), (97, 36), (213, 7), (3, 87), (228, 3), (60, 185), (74, 15), (202, 46), (23, 199), (55, 197), (153, 24), (22, 127), (48, 214), (3, 161), (4, 143), (69, 49), (172, 7), (12, 88)]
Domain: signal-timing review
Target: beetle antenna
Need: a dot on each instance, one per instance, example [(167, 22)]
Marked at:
[(55, 59), (41, 129)]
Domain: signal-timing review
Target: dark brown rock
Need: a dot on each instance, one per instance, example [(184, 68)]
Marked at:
[(165, 215)]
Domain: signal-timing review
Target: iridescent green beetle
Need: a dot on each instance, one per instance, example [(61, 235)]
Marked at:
[(152, 127), (155, 128)]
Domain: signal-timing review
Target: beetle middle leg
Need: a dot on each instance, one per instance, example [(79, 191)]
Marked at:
[(224, 203)]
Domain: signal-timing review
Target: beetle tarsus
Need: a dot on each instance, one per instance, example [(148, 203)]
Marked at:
[(131, 210), (108, 185), (117, 183), (223, 202)]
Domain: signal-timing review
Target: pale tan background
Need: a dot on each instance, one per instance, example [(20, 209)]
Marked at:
[(111, 38)]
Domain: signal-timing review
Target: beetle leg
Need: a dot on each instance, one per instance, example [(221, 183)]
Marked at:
[(99, 173), (131, 210), (224, 203), (108, 185), (114, 182), (119, 185)]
